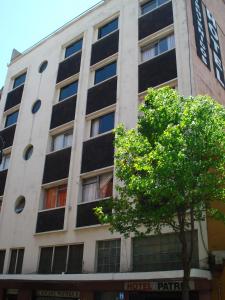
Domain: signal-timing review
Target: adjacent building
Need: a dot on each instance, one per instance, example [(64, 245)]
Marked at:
[(61, 100)]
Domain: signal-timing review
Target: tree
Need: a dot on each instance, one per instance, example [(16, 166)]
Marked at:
[(170, 169)]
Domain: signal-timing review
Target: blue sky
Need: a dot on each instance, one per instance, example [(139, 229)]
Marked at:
[(25, 22)]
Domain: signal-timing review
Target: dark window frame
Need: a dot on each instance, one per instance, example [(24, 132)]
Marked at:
[(101, 34), (16, 269), (2, 256), (10, 115), (157, 5), (103, 69)]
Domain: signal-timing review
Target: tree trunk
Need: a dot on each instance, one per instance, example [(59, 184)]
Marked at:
[(185, 287)]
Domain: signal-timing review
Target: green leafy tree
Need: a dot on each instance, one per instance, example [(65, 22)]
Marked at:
[(170, 169)]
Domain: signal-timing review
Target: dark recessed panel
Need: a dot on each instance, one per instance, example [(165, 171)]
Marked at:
[(85, 214), (2, 260), (8, 136), (63, 112), (57, 165), (14, 97), (50, 220), (105, 47), (157, 71), (101, 95), (69, 67), (3, 176), (98, 153), (155, 20)]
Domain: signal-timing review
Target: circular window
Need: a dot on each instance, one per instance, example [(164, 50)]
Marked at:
[(28, 152), (20, 204), (36, 106), (43, 66)]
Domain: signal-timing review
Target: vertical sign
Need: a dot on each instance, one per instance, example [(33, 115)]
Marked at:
[(215, 47), (200, 32)]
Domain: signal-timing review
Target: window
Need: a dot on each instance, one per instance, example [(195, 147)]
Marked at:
[(55, 197), (68, 90), (28, 152), (61, 259), (150, 5), (160, 253), (105, 72), (16, 261), (43, 66), (98, 187), (5, 162), (20, 204), (102, 124), (108, 256), (108, 28), (158, 48), (11, 119), (19, 80), (2, 260), (73, 48), (63, 140), (36, 106)]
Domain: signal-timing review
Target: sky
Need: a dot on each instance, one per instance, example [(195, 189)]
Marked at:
[(25, 22)]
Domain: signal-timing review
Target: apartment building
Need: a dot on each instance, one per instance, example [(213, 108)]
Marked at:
[(61, 100)]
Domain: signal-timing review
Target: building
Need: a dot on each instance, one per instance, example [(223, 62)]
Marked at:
[(61, 99)]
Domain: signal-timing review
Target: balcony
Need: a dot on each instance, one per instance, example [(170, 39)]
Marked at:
[(157, 70), (69, 67), (8, 135), (3, 176), (105, 47), (14, 97), (155, 20), (50, 220), (102, 95), (98, 153), (57, 165), (63, 112)]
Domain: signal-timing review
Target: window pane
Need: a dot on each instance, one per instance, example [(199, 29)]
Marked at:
[(57, 142), (148, 6), (68, 137), (68, 90), (108, 256), (171, 41), (75, 260), (19, 80), (5, 162), (89, 189), (50, 198), (106, 29), (59, 261), (45, 260), (105, 72), (160, 2), (106, 122), (11, 119), (12, 264), (94, 127), (19, 264), (149, 53), (106, 185), (163, 45), (73, 48), (2, 260), (61, 197)]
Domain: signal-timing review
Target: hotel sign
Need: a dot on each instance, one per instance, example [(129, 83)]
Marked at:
[(215, 47), (60, 294), (156, 286), (200, 32)]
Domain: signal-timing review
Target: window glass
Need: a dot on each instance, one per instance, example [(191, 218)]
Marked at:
[(36, 106), (157, 48), (68, 90), (105, 72), (20, 204), (55, 197), (5, 162), (28, 152), (2, 257), (62, 140), (150, 5), (73, 48), (16, 261), (19, 80), (98, 187), (43, 66), (103, 124), (108, 260), (11, 118), (107, 28)]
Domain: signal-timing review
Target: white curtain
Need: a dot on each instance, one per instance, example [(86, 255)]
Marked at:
[(68, 140), (171, 41), (89, 189), (94, 127), (105, 185), (58, 142), (148, 53)]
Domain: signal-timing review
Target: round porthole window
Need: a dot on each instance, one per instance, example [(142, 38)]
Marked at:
[(36, 106), (28, 152), (20, 204), (43, 66)]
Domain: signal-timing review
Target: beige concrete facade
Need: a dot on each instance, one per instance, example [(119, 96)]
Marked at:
[(25, 176)]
